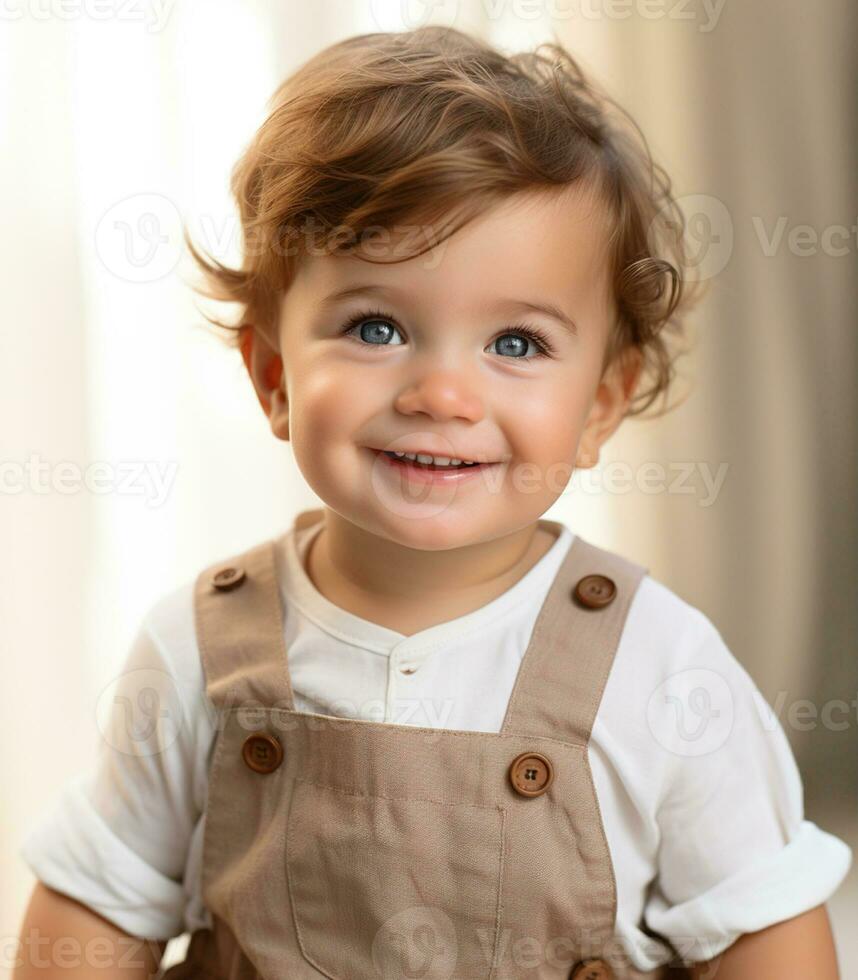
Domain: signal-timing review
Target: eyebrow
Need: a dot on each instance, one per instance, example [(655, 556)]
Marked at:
[(549, 309)]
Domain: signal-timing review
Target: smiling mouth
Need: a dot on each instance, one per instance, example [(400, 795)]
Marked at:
[(432, 467)]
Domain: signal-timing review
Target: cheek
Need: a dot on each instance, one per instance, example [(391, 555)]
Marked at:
[(548, 422), (327, 406)]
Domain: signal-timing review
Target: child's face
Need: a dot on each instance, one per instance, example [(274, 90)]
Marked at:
[(442, 368)]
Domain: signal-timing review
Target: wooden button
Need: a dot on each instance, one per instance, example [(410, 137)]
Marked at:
[(262, 752), (531, 773), (228, 578), (595, 591), (591, 970)]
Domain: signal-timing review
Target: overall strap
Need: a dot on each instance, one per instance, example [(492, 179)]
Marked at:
[(239, 620), (575, 637)]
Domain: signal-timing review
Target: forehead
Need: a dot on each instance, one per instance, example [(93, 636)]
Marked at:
[(548, 244)]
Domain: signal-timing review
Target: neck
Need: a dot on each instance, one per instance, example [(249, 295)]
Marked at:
[(386, 582)]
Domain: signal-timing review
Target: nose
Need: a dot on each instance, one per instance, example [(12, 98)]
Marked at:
[(442, 395)]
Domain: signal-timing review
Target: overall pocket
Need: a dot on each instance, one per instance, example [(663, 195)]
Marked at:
[(386, 888)]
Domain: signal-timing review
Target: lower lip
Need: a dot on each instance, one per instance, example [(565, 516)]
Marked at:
[(420, 474)]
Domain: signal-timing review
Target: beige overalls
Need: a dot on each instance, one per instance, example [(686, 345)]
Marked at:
[(354, 849)]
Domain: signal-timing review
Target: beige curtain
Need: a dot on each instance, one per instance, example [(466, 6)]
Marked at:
[(756, 118)]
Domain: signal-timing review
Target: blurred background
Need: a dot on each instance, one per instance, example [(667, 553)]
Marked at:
[(133, 448)]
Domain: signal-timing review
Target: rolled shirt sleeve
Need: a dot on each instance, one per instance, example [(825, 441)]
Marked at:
[(736, 853), (116, 838), (73, 851)]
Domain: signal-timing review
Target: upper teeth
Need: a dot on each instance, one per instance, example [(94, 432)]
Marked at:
[(436, 460)]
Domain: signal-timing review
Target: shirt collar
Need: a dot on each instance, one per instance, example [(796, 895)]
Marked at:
[(299, 590)]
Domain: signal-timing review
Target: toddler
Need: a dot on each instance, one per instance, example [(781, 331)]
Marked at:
[(426, 732)]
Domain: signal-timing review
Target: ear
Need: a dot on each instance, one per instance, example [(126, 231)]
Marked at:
[(610, 404), (265, 367)]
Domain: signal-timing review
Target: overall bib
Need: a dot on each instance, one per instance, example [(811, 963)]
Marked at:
[(362, 850)]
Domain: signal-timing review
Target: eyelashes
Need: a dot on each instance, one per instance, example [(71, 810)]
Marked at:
[(534, 334)]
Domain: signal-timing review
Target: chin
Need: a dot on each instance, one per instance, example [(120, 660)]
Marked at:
[(430, 533)]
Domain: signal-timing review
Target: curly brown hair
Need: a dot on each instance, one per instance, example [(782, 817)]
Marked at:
[(435, 125)]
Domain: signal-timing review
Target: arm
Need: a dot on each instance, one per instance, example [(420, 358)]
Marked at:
[(60, 934), (738, 863), (791, 950), (109, 854)]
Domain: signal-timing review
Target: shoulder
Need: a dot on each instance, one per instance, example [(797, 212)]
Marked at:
[(169, 627), (170, 622), (695, 681), (167, 645), (675, 693), (707, 763), (664, 633), (170, 632)]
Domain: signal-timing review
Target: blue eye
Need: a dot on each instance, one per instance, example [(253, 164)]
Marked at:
[(380, 328), (533, 335), (377, 327)]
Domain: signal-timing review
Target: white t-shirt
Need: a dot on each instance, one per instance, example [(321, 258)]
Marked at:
[(698, 790)]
